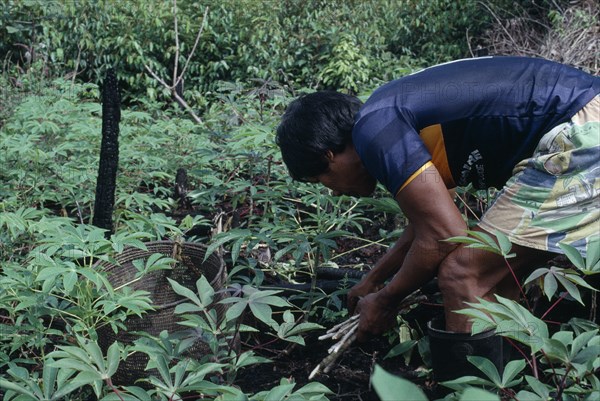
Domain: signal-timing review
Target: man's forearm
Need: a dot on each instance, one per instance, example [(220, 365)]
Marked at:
[(389, 264), (420, 266)]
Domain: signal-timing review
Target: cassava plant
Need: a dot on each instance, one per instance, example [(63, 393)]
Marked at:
[(558, 364)]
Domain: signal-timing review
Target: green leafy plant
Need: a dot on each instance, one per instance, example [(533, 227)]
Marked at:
[(53, 385), (388, 387), (570, 361)]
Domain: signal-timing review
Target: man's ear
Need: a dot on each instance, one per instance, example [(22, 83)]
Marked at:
[(329, 156)]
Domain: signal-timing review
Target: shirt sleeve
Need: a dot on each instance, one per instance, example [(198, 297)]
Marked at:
[(389, 147)]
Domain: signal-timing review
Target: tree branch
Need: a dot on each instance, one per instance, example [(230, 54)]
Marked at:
[(176, 76), (187, 62)]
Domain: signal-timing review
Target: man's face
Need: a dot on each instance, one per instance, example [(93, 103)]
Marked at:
[(346, 174)]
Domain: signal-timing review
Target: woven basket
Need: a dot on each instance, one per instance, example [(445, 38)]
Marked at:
[(189, 269)]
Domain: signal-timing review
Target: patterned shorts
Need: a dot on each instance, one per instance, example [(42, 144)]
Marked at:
[(553, 197)]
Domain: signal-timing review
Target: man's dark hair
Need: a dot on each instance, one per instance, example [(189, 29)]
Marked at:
[(312, 125)]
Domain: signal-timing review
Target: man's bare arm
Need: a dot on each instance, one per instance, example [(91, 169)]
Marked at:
[(433, 217), (385, 268)]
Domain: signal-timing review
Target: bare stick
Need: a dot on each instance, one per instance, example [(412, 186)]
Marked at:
[(345, 339), (346, 333), (332, 331), (329, 361)]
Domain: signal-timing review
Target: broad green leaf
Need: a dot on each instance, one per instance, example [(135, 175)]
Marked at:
[(525, 395), (475, 394), (570, 287), (536, 274), (66, 389), (593, 396), (573, 255), (280, 392), (565, 337), (163, 369), (538, 387), (262, 312), (49, 376), (550, 285), (50, 272), (590, 354), (592, 260), (464, 382), (113, 356), (485, 239), (302, 327), (72, 351), (199, 373), (582, 340), (139, 393), (269, 300), (188, 308), (5, 384), (401, 349), (530, 323), (205, 291), (231, 394), (235, 310), (121, 396), (511, 370), (236, 249), (69, 281), (487, 367), (505, 244), (95, 353), (481, 320), (87, 377), (180, 369), (158, 261), (555, 350), (220, 239), (388, 387), (249, 358), (185, 292), (315, 388), (70, 363), (579, 281)]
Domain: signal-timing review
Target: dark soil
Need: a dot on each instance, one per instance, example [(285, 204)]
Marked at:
[(348, 379)]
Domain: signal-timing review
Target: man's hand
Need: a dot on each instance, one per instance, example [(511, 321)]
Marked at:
[(376, 316), (360, 290)]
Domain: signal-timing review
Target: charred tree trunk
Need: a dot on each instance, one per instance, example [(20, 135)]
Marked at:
[(109, 153), (181, 191)]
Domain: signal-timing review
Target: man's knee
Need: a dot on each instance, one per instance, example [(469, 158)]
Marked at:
[(455, 275)]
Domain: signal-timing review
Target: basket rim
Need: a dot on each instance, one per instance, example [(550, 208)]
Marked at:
[(107, 266)]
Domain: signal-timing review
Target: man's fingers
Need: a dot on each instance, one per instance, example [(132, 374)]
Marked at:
[(351, 306), (352, 302)]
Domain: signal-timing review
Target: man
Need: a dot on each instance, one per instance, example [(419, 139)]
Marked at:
[(528, 126)]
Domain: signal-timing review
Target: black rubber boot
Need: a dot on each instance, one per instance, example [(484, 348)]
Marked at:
[(449, 351)]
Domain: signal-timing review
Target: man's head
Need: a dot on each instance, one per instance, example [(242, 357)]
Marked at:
[(315, 138)]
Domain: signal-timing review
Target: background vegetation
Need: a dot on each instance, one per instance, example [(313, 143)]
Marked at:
[(252, 58)]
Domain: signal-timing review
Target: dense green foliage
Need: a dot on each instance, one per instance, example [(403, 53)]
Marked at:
[(53, 298), (53, 295), (250, 62), (335, 43)]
